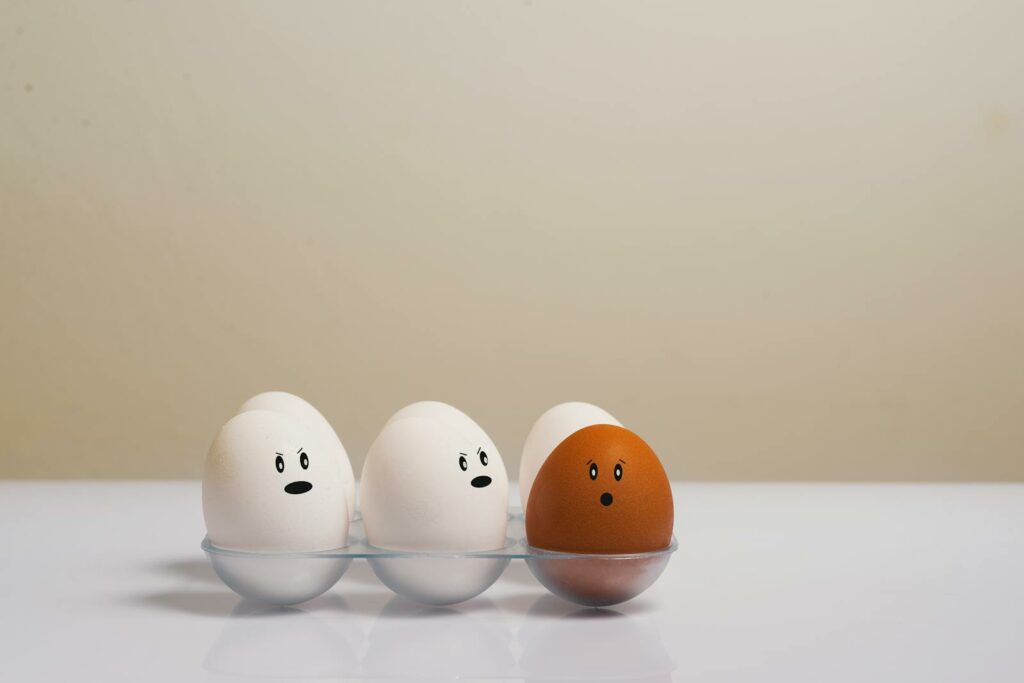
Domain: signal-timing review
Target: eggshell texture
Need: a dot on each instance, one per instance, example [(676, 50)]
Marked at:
[(426, 487), (301, 410), (268, 486), (581, 502), (551, 429), (450, 415)]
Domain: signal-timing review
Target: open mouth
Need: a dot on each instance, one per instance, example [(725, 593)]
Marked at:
[(298, 487), (481, 481), (606, 499)]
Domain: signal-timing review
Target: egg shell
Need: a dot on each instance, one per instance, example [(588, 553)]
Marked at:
[(416, 496), (567, 511), (450, 415), (551, 429), (245, 504), (303, 411)]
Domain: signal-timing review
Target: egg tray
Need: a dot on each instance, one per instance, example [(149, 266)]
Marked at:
[(438, 578)]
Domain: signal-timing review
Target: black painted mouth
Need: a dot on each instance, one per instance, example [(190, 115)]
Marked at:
[(606, 499), (298, 487), (481, 481)]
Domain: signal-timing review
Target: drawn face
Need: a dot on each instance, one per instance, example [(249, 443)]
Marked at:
[(328, 442), (302, 458), (594, 470), (267, 486), (481, 480), (427, 486), (602, 490)]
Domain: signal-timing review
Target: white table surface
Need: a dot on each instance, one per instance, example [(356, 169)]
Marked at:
[(105, 581)]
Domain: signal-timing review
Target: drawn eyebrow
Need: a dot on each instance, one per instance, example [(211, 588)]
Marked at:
[(479, 449), (276, 453), (622, 461), (461, 453), (300, 450), (589, 461)]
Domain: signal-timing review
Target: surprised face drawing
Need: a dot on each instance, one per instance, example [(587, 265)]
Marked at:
[(481, 480), (295, 487)]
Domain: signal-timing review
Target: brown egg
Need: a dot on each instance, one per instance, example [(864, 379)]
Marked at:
[(602, 490)]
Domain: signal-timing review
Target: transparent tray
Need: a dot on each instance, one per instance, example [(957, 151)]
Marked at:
[(438, 578)]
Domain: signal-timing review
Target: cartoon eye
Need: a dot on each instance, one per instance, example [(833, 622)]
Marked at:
[(462, 463), (618, 472), (304, 460), (483, 458), (279, 463), (593, 470)]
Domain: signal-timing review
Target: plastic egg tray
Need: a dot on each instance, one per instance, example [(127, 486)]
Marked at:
[(438, 578)]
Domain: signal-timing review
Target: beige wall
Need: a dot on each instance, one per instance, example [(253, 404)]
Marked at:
[(780, 240)]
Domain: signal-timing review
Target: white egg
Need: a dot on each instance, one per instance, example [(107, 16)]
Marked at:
[(427, 486), (299, 409), (269, 486), (452, 416), (551, 429)]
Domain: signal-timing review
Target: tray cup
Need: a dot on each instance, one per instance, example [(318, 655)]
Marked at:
[(276, 580)]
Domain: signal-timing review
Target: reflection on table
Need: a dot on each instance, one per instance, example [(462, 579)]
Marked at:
[(534, 639)]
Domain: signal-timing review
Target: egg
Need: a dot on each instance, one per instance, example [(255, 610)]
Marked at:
[(604, 491), (427, 486), (450, 415), (551, 429), (319, 428), (431, 487), (270, 486)]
